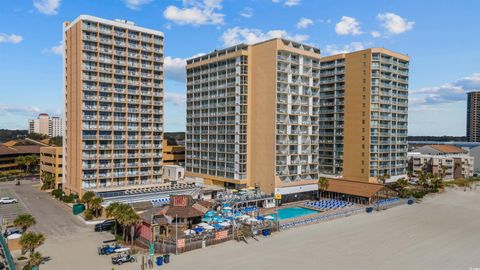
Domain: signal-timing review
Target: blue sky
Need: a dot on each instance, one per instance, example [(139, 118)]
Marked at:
[(441, 38)]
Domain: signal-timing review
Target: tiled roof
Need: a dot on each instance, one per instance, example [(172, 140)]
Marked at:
[(362, 189)]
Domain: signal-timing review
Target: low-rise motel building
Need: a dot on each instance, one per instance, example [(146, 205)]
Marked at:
[(173, 154), (277, 116), (9, 152), (51, 163)]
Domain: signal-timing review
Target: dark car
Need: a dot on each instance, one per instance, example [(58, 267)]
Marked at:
[(120, 259), (11, 231), (106, 225)]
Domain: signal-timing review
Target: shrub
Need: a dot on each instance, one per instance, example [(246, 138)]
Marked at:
[(57, 193), (88, 214), (22, 258)]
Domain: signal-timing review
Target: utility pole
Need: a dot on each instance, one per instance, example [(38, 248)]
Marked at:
[(176, 234)]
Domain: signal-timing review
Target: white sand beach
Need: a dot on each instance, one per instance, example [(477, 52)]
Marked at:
[(441, 232)]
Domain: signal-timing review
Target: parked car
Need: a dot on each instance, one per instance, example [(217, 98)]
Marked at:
[(106, 225), (123, 258), (11, 231), (108, 249), (8, 200)]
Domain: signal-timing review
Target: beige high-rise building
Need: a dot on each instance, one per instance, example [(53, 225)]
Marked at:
[(253, 117), (363, 115), (40, 125), (114, 105)]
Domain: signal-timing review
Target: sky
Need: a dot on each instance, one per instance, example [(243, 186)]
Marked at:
[(440, 36)]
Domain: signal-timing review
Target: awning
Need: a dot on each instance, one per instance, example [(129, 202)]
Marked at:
[(361, 189)]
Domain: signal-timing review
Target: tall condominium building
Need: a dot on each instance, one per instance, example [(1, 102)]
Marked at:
[(473, 116), (55, 126), (253, 116), (363, 115), (114, 105), (39, 125)]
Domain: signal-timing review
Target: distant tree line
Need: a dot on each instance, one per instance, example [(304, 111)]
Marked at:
[(9, 134), (438, 138)]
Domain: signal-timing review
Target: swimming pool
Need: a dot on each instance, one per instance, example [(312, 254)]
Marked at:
[(294, 212)]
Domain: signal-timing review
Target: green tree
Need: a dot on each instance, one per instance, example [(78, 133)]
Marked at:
[(383, 178), (24, 221), (402, 183), (87, 198), (21, 162), (48, 180), (131, 220), (29, 241), (36, 259), (323, 184), (96, 204)]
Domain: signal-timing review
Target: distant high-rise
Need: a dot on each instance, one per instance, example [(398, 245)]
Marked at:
[(114, 106), (473, 116), (44, 124)]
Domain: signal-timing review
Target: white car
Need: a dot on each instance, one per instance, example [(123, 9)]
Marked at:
[(8, 200)]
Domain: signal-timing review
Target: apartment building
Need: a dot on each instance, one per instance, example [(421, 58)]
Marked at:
[(253, 117), (51, 163), (451, 166), (363, 115), (473, 116), (114, 106), (44, 124), (173, 154), (55, 126)]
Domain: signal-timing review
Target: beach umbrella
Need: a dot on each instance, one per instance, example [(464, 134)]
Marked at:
[(210, 213), (218, 219), (227, 208), (198, 230), (217, 226), (207, 219), (226, 205), (224, 224), (208, 228), (260, 218), (230, 218), (202, 224), (269, 217)]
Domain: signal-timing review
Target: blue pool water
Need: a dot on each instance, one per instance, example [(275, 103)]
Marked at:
[(294, 212)]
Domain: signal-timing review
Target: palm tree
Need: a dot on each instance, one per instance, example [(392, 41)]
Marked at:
[(24, 221), (130, 220), (30, 241), (87, 198), (323, 184), (383, 178), (117, 211), (96, 204), (35, 259), (402, 183), (48, 180), (20, 161)]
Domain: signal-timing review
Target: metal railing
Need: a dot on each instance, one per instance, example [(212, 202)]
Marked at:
[(8, 255)]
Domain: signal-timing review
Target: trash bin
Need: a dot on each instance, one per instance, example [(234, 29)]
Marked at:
[(166, 258), (266, 232), (78, 208), (369, 209), (410, 201), (159, 260)]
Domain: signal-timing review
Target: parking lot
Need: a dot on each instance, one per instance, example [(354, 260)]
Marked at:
[(70, 243), (9, 211)]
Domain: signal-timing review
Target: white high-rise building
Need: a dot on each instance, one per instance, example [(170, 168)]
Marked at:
[(44, 124)]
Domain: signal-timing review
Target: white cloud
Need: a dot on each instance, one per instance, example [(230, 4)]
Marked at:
[(57, 49), (292, 3), (238, 35), (196, 12), (247, 12), (47, 7), (9, 109), (348, 26), (136, 4), (375, 34), (351, 47), (175, 67), (304, 23), (178, 99), (447, 93), (12, 38), (395, 24), (288, 3)]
